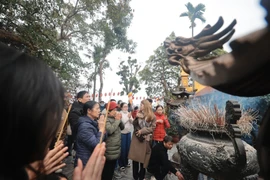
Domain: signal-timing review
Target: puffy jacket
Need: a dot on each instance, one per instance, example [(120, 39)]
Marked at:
[(113, 141), (159, 132), (88, 137)]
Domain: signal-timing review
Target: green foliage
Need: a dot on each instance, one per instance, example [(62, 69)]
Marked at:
[(216, 53), (112, 31), (50, 30), (158, 75), (194, 13), (55, 31), (128, 71)]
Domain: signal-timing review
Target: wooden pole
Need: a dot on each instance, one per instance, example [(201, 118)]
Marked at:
[(105, 119), (63, 125)]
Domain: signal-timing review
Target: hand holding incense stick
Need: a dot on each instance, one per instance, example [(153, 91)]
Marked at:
[(105, 120)]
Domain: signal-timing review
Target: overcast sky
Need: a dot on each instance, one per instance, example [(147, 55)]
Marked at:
[(154, 20)]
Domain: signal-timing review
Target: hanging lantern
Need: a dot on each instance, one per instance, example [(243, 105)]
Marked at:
[(92, 95), (113, 94), (136, 98), (109, 94), (100, 95), (118, 93), (140, 97), (105, 94), (133, 97)]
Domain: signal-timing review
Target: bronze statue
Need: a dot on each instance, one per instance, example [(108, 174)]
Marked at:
[(243, 72), (230, 73)]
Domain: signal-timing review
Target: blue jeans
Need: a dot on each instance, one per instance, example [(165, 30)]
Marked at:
[(125, 144)]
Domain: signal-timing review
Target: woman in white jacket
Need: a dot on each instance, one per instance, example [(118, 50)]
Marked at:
[(125, 136)]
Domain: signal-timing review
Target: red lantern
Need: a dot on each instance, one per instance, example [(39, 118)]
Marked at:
[(100, 95), (140, 97), (109, 94), (92, 95), (105, 94), (113, 94), (118, 93), (136, 98), (133, 97)]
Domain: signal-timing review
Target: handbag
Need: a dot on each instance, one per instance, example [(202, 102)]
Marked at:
[(140, 137)]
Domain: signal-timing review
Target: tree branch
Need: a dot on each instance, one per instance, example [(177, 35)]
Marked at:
[(9, 37), (75, 11)]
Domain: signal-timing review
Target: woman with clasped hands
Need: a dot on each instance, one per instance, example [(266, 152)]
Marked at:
[(89, 131), (114, 126)]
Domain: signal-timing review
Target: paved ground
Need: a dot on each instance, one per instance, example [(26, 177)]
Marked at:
[(68, 170), (127, 175)]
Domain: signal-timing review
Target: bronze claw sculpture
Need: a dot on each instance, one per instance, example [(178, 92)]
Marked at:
[(199, 45), (250, 54), (243, 72)]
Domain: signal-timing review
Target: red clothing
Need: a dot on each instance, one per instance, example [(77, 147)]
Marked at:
[(159, 132), (134, 113)]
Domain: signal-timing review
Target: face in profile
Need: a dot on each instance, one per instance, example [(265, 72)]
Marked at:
[(142, 106), (94, 112), (85, 98), (168, 145)]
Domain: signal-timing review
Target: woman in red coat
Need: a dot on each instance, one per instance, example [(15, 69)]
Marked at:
[(161, 123)]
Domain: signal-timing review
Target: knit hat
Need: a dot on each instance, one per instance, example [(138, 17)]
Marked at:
[(113, 105)]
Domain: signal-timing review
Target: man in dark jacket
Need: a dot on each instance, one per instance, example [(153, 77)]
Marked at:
[(76, 111), (159, 164)]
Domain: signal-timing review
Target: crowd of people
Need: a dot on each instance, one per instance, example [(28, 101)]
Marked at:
[(33, 112), (130, 135)]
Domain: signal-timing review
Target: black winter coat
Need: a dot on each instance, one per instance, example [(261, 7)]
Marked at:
[(75, 113)]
